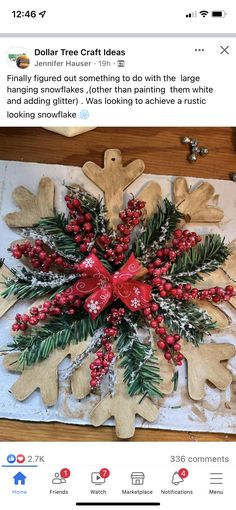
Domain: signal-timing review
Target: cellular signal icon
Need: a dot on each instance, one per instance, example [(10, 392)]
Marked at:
[(191, 14), (204, 13)]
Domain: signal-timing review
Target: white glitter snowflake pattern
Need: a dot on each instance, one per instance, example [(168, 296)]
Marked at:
[(89, 262), (93, 306), (135, 303), (137, 291)]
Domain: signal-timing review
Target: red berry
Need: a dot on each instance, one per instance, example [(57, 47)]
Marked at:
[(87, 226), (23, 327), (177, 347), (17, 254), (33, 321), (178, 233), (229, 288), (93, 383), (161, 331), (154, 307), (34, 310), (170, 339), (153, 323), (42, 255), (161, 345), (15, 327), (88, 217), (25, 318), (70, 311), (42, 316), (83, 248), (167, 356)]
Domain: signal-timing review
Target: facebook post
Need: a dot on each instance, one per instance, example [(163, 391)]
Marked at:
[(117, 255)]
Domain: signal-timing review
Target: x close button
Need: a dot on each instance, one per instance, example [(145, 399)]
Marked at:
[(224, 50)]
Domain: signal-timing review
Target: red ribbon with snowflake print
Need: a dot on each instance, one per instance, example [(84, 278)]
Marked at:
[(103, 287)]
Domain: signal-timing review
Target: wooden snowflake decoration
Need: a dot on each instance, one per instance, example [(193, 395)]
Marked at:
[(117, 293)]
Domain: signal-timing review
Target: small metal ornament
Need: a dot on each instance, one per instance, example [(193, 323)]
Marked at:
[(195, 150), (233, 177)]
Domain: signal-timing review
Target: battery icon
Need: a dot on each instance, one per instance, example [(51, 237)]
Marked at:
[(218, 14)]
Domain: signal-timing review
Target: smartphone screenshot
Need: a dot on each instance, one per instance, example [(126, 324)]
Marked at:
[(117, 255)]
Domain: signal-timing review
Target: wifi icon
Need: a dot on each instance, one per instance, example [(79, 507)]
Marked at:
[(204, 13)]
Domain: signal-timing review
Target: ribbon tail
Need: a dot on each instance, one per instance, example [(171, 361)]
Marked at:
[(96, 303), (135, 295)]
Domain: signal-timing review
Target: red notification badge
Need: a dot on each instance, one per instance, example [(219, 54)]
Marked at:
[(183, 473), (104, 473), (65, 473)]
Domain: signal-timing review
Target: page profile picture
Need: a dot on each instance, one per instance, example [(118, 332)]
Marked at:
[(23, 61), (17, 56)]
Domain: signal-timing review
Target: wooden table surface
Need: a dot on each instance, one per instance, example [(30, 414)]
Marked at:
[(162, 152)]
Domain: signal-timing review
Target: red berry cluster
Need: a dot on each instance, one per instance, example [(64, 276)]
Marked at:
[(217, 294), (104, 357), (115, 249), (168, 342), (38, 257), (65, 302), (80, 225), (115, 316), (183, 241)]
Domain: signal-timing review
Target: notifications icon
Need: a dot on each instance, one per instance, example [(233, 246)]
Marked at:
[(179, 476)]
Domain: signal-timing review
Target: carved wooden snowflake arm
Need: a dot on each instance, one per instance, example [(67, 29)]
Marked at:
[(113, 179), (217, 315), (204, 364), (194, 204), (167, 371), (123, 408), (5, 304), (151, 194), (44, 375), (32, 207)]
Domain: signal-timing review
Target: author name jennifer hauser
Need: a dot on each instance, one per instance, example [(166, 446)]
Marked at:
[(60, 63)]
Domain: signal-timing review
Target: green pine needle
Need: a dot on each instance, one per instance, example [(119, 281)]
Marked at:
[(57, 334), (55, 228), (156, 231), (32, 285), (204, 258), (186, 319), (141, 370)]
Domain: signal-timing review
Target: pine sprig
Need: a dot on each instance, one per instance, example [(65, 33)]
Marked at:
[(56, 334), (32, 285), (53, 232), (141, 370), (156, 231), (94, 206), (186, 319), (203, 258)]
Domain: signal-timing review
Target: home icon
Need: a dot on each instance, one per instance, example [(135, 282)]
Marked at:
[(19, 479), (137, 478)]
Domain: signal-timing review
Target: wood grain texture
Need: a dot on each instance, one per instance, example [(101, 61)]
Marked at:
[(162, 152)]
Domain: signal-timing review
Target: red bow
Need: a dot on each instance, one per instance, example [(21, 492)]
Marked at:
[(104, 287)]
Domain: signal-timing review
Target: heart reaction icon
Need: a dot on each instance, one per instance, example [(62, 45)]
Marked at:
[(20, 458)]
